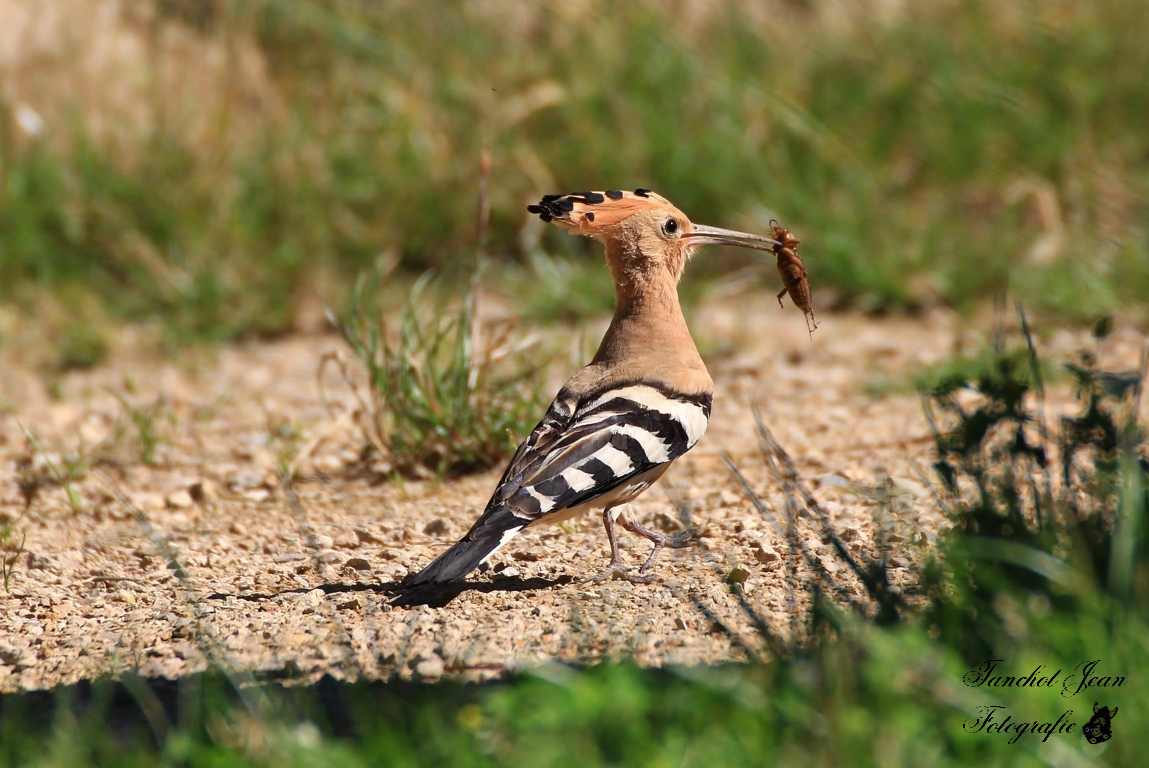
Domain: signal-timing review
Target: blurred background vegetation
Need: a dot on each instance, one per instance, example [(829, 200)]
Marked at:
[(219, 165)]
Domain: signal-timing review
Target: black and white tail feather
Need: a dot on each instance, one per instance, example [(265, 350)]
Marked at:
[(598, 450)]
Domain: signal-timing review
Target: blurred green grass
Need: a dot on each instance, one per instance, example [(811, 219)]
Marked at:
[(924, 153), (878, 698)]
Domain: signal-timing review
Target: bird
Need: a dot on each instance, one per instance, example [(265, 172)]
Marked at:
[(642, 402)]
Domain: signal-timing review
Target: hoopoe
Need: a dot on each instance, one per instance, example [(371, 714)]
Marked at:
[(643, 401)]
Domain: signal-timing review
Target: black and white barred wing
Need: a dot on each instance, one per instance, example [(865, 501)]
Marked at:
[(613, 438), (611, 445)]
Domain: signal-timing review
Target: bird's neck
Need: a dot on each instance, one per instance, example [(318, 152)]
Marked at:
[(647, 320), (648, 298)]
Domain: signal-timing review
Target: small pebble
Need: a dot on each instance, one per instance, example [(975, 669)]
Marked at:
[(347, 540), (366, 537), (309, 602), (149, 502), (351, 603), (737, 575), (246, 479), (430, 667), (184, 650), (765, 553), (203, 492), (436, 527), (180, 499)]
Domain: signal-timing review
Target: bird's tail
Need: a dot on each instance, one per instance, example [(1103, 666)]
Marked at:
[(491, 532)]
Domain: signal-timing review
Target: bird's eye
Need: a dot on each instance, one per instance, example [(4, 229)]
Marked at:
[(670, 227)]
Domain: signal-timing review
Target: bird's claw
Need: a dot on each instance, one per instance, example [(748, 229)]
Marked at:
[(682, 539), (616, 572)]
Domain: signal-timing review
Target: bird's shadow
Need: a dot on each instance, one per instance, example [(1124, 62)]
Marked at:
[(433, 595), (438, 595)]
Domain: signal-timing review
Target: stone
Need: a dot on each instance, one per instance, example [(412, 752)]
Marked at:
[(765, 553), (319, 541), (181, 499), (430, 667), (366, 537), (437, 527), (347, 540), (15, 656), (184, 650), (149, 502), (246, 479), (309, 602), (737, 575), (203, 492), (351, 603)]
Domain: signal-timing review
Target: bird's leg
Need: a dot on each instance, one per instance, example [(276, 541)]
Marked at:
[(677, 541), (616, 570)]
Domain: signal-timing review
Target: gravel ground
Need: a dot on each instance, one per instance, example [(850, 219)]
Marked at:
[(302, 590)]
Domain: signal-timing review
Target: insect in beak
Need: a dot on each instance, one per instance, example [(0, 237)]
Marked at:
[(790, 266)]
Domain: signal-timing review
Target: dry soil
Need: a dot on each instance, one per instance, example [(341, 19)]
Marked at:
[(300, 590)]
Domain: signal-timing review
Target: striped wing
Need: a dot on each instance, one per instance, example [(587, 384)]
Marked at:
[(611, 438), (579, 453)]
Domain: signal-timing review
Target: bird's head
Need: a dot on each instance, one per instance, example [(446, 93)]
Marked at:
[(643, 232)]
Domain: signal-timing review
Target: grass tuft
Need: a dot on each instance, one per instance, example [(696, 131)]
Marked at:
[(10, 548), (66, 471), (81, 347), (442, 397), (144, 419)]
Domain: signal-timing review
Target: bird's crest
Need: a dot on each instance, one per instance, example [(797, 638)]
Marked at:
[(591, 213)]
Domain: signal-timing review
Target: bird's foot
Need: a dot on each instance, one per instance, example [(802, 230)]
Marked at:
[(660, 540), (618, 572), (680, 540)]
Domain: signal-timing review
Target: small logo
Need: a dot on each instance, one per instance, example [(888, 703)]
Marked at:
[(1097, 729)]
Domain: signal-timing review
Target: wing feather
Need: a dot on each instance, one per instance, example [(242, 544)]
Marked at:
[(610, 438), (582, 450)]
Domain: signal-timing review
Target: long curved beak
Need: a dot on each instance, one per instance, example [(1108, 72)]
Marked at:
[(703, 235)]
